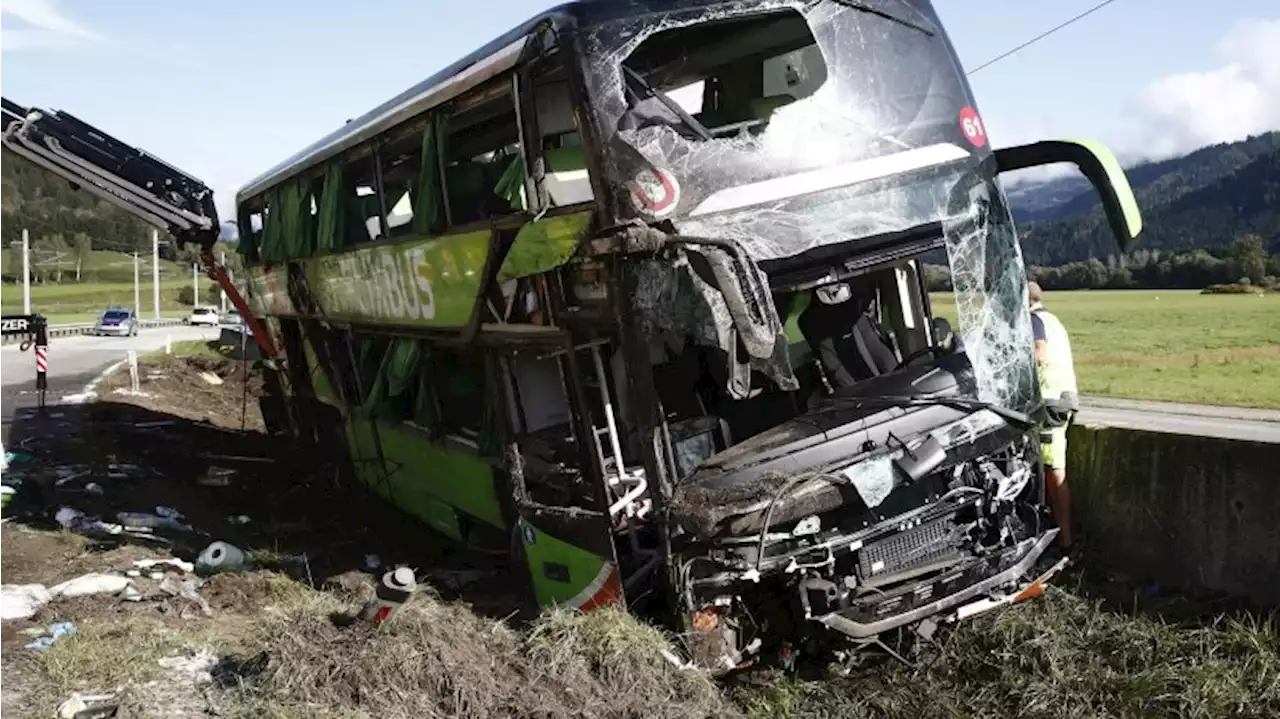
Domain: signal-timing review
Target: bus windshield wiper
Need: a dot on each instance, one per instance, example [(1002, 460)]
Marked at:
[(672, 105), (876, 7)]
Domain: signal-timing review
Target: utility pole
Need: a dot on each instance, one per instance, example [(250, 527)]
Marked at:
[(155, 270), (224, 292), (137, 288), (26, 272)]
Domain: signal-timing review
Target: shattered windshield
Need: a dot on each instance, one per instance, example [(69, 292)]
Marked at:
[(778, 116), (784, 126)]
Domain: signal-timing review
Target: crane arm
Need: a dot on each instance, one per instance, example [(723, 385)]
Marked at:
[(129, 178)]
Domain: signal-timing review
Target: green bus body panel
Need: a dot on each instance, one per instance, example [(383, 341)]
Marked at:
[(541, 549), (1099, 165), (319, 379), (425, 480), (545, 245), (428, 282)]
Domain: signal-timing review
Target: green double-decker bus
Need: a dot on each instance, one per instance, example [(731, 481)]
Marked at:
[(635, 292)]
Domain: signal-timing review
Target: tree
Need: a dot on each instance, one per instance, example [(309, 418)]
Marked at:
[(83, 249), (1249, 253)]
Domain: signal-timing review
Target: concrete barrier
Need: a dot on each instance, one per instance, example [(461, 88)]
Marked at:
[(1194, 513)]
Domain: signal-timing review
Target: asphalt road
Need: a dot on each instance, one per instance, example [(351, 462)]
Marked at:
[(74, 362), (1258, 425)]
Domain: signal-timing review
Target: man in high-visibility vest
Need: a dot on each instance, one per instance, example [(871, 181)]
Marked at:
[(1056, 372)]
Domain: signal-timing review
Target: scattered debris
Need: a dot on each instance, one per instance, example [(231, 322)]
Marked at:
[(239, 519), (393, 592), (100, 706), (145, 520), (455, 579), (16, 458), (221, 557), (187, 589), (198, 666), (21, 601), (217, 477), (186, 567), (90, 584), (56, 632), (211, 378)]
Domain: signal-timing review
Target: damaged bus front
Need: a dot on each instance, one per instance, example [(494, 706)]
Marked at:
[(839, 463)]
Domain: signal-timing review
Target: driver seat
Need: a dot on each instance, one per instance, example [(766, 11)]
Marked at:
[(847, 339)]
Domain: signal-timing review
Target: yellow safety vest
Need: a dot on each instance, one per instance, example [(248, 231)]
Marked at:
[(1058, 373)]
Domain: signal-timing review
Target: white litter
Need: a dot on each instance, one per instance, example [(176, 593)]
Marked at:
[(90, 584), (173, 562), (20, 601), (199, 665)]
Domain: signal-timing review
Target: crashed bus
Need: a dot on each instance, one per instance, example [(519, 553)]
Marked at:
[(635, 293)]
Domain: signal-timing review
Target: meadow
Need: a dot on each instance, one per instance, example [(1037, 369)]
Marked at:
[(1171, 345)]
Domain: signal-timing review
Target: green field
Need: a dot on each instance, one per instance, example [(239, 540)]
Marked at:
[(1172, 345), (85, 302)]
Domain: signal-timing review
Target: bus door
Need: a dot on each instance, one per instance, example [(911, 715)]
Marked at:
[(565, 528)]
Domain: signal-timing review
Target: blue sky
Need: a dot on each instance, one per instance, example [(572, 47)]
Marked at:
[(227, 89)]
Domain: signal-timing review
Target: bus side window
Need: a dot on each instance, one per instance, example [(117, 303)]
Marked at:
[(481, 149), (362, 221), (457, 385), (565, 178)]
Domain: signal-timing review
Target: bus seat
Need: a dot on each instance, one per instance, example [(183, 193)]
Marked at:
[(855, 339), (566, 179)]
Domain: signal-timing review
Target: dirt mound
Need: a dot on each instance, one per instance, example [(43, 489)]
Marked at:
[(213, 389)]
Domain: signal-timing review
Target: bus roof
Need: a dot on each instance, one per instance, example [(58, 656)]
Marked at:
[(491, 59)]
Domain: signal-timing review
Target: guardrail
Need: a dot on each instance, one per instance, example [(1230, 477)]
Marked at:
[(87, 328)]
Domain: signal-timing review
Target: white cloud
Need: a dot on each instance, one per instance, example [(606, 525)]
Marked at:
[(47, 27), (1179, 113)]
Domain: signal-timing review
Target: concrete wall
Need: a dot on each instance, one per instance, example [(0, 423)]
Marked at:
[(1195, 513)]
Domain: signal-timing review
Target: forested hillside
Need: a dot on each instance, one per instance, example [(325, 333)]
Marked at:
[(1203, 200), (74, 235)]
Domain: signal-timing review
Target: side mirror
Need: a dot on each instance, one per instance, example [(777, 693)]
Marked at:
[(1099, 165)]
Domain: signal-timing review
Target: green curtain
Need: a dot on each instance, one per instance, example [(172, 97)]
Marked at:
[(395, 376), (248, 245), (329, 234), (428, 214), (291, 232), (273, 227)]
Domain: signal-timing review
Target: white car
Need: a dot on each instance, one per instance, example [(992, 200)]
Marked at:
[(203, 316)]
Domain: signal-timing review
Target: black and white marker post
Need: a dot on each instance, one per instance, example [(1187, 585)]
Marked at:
[(36, 327)]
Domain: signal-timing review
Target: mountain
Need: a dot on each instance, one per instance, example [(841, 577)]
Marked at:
[(1204, 199)]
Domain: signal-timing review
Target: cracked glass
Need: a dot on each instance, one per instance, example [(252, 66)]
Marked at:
[(782, 126)]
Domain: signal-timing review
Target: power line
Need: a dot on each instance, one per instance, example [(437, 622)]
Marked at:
[(1042, 36)]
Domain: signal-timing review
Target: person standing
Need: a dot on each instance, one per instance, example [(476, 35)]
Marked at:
[(1055, 369)]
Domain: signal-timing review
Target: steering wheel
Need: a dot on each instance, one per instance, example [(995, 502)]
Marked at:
[(935, 350)]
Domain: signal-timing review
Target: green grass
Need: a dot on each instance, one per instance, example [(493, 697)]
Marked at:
[(1171, 345), (85, 301)]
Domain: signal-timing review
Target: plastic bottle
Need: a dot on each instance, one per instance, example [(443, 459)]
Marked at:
[(392, 593)]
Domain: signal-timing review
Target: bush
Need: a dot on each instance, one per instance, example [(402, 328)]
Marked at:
[(208, 294), (1235, 288)]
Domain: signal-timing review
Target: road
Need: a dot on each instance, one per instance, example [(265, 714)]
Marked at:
[(1258, 425), (74, 362)]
